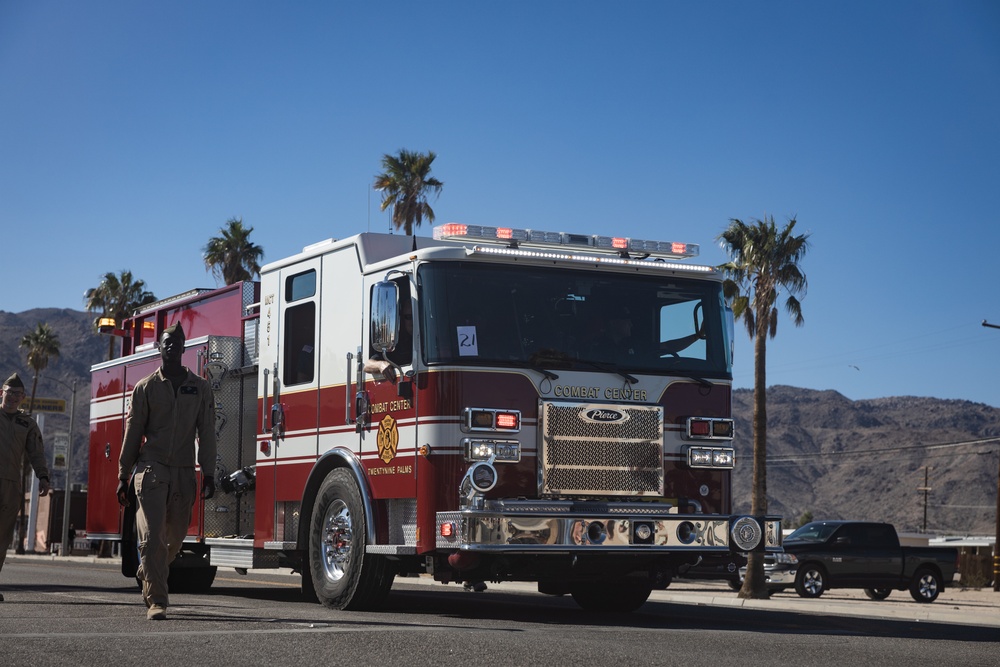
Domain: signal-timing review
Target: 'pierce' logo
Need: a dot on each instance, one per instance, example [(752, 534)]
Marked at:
[(604, 416)]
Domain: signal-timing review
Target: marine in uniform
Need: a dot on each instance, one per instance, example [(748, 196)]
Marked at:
[(170, 408), (19, 436)]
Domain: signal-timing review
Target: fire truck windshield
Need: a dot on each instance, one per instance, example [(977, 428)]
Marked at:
[(490, 314)]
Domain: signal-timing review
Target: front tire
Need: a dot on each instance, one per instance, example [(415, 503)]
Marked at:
[(810, 581), (926, 585), (343, 575)]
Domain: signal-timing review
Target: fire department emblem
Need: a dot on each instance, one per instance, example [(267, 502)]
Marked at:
[(388, 438)]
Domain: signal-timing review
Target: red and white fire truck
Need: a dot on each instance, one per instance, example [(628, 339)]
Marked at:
[(558, 410)]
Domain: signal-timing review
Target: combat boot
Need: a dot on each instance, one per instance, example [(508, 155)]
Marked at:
[(157, 612)]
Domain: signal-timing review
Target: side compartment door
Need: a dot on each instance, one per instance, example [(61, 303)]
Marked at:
[(107, 424)]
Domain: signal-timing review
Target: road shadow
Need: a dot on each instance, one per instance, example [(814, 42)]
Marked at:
[(549, 610)]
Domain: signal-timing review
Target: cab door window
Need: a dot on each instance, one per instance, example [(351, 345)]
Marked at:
[(299, 361)]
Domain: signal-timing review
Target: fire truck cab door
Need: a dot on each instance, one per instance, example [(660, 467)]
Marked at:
[(291, 318), (389, 435)]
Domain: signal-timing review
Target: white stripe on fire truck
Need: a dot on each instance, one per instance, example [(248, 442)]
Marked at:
[(105, 407)]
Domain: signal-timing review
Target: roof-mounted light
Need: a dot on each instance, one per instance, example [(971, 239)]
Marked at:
[(513, 238)]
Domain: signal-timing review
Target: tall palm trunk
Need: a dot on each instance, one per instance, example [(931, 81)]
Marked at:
[(755, 587)]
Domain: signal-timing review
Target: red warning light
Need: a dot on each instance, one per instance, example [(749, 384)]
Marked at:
[(507, 420), (454, 229), (700, 427)]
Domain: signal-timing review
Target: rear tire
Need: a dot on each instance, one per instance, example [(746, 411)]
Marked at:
[(878, 593), (616, 597), (810, 581), (343, 575), (926, 585)]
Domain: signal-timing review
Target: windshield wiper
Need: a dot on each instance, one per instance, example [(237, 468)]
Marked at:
[(549, 375), (702, 381), (607, 367)]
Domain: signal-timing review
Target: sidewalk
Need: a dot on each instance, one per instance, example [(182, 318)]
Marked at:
[(965, 606)]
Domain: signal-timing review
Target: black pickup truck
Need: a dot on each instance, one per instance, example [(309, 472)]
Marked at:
[(854, 554)]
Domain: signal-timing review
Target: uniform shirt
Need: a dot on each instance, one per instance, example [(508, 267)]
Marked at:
[(19, 434), (169, 424)]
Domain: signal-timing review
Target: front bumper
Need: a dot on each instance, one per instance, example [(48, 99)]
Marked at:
[(560, 526), (781, 576)]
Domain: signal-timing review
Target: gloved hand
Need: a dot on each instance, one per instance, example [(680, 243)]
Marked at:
[(122, 492), (207, 487)]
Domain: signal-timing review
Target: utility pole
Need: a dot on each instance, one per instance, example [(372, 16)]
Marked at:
[(66, 543), (996, 536), (926, 489)]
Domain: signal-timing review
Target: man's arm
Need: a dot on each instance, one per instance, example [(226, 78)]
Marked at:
[(135, 427), (380, 369), (36, 455)]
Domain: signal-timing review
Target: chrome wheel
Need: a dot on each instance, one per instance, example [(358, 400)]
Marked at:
[(809, 582), (926, 586), (337, 539)]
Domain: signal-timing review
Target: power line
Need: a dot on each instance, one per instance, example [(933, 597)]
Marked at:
[(885, 450)]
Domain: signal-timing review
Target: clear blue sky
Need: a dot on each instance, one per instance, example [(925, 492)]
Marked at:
[(131, 131)]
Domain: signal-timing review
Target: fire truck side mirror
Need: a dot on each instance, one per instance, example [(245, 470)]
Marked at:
[(385, 316)]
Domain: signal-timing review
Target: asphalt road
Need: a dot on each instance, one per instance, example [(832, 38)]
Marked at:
[(83, 612)]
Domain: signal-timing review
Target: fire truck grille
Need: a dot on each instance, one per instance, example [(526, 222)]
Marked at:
[(600, 450)]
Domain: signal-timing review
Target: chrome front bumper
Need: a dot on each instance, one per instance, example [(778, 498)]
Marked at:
[(560, 526), (780, 577), (776, 578)]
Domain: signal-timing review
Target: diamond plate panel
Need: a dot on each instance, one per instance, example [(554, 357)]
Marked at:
[(227, 514), (402, 517)]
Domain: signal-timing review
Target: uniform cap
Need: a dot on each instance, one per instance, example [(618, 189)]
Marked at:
[(175, 330), (14, 382)]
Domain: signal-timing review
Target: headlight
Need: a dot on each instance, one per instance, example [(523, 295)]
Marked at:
[(711, 457), (785, 559), (503, 451)]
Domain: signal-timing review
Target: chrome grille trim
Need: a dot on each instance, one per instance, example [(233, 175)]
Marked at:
[(581, 457)]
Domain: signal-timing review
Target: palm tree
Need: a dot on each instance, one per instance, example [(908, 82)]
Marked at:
[(763, 261), (117, 297), (232, 257), (42, 344), (404, 185)]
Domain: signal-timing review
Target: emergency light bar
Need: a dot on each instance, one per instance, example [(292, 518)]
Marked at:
[(455, 231)]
